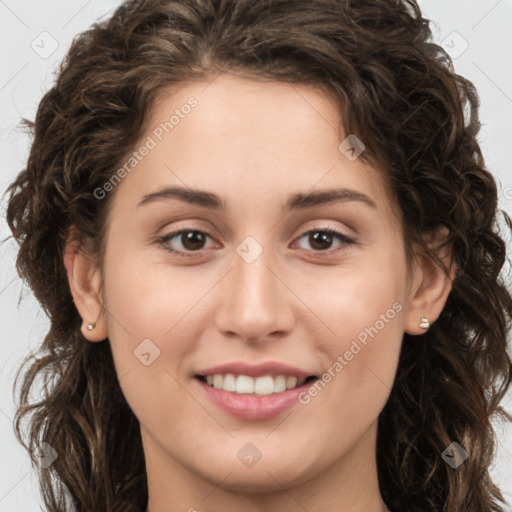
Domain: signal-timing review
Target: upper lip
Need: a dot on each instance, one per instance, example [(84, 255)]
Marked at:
[(255, 370)]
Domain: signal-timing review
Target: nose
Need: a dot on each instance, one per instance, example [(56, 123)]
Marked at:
[(254, 301)]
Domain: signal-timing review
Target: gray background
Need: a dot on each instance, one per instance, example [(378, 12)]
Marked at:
[(34, 37)]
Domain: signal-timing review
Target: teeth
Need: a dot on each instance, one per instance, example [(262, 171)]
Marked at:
[(264, 385), (243, 384), (291, 382), (217, 381), (279, 384), (229, 383)]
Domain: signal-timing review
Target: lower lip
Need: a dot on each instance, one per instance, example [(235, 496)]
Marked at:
[(254, 407)]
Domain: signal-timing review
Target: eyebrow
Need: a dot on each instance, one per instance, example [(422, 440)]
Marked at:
[(298, 201)]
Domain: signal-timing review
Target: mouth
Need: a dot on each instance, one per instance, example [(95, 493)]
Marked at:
[(255, 386), (254, 398)]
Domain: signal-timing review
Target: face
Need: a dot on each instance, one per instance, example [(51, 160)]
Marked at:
[(242, 266)]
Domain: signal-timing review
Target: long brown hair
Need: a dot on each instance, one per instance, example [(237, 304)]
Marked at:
[(419, 122)]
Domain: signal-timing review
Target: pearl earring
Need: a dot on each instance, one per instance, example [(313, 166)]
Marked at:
[(91, 326), (425, 324)]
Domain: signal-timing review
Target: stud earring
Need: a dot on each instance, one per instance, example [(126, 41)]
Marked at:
[(425, 324), (91, 326)]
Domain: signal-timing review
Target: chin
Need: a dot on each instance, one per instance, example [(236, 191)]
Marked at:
[(268, 476)]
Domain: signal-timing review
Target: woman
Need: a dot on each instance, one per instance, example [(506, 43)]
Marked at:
[(267, 242)]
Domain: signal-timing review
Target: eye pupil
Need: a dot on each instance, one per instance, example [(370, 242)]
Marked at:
[(317, 238), (192, 240)]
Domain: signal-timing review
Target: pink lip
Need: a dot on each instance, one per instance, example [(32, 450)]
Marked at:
[(252, 407), (255, 370)]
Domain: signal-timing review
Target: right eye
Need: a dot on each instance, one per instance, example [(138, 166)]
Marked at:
[(190, 240)]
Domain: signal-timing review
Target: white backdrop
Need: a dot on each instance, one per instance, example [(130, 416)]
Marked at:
[(34, 37)]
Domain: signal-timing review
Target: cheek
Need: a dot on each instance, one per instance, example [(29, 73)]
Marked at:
[(150, 331), (150, 298), (360, 298), (150, 325), (363, 309)]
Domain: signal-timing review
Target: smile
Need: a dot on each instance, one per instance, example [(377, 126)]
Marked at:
[(244, 384), (246, 404)]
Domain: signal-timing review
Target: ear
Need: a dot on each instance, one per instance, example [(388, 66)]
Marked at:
[(430, 286), (84, 280)]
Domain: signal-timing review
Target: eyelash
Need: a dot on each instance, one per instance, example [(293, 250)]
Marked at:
[(163, 240)]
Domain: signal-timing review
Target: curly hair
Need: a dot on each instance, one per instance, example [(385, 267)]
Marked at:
[(397, 92)]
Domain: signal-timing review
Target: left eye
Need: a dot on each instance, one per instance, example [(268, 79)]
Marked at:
[(193, 240), (319, 238)]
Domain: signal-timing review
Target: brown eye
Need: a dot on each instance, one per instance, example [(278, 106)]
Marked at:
[(321, 240), (192, 240), (184, 241)]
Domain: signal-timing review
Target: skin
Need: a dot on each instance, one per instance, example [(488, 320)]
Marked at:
[(254, 144)]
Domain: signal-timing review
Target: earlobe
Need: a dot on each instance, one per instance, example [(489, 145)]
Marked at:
[(430, 288), (84, 280)]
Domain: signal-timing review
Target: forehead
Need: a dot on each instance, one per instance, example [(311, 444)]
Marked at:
[(246, 137)]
